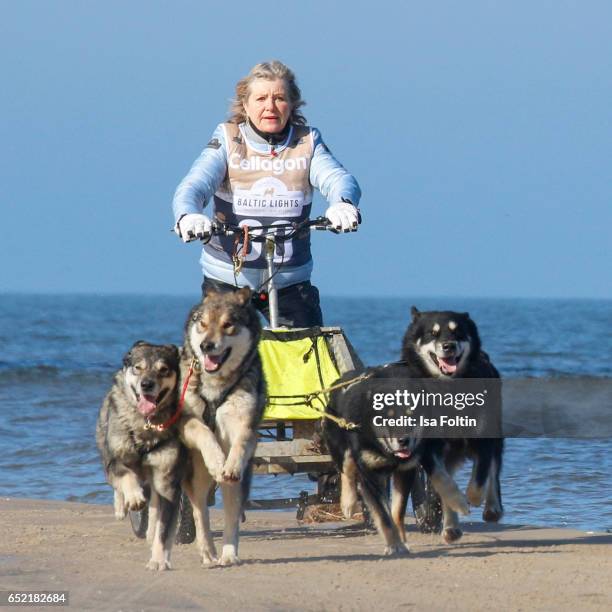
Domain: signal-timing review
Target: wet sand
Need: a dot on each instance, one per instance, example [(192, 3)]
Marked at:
[(81, 548)]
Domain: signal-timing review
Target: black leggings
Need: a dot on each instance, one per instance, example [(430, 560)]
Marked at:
[(298, 305)]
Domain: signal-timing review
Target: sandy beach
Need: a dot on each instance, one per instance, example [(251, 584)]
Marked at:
[(49, 545)]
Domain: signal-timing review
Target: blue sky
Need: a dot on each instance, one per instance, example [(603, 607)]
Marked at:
[(480, 132)]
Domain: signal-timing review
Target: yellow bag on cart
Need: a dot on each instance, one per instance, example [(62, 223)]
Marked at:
[(297, 364)]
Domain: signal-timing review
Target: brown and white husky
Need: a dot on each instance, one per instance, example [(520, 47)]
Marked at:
[(224, 403)]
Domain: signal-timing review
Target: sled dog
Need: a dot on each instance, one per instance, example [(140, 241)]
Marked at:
[(139, 444), (436, 345), (224, 403), (446, 345)]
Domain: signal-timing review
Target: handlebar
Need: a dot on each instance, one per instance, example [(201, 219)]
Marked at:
[(260, 233)]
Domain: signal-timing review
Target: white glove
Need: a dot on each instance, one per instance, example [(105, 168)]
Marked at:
[(193, 226), (343, 216)]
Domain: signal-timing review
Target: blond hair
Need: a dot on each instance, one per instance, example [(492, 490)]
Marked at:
[(270, 71)]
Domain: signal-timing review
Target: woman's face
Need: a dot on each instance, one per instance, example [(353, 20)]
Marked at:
[(268, 106)]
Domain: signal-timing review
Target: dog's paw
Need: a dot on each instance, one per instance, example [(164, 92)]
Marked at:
[(158, 566), (214, 460), (349, 509), (492, 514), (231, 476), (209, 559), (451, 534), (396, 550), (474, 494), (120, 510), (216, 471), (135, 500), (459, 503), (229, 556), (119, 505), (231, 472)]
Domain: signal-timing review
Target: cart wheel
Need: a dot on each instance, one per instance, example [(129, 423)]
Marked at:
[(426, 504), (140, 521), (185, 530)]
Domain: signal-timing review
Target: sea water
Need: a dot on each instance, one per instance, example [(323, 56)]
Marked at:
[(59, 354)]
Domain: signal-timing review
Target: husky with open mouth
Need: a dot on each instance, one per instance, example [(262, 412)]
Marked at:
[(224, 403), (368, 456), (446, 345), (139, 443), (442, 345)]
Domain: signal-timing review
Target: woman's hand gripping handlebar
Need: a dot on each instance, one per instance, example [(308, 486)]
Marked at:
[(199, 227)]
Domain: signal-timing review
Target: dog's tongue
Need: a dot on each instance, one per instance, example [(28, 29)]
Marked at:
[(448, 365), (147, 405), (212, 362), (403, 454)]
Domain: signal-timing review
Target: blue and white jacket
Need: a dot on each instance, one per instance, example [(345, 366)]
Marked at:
[(211, 176)]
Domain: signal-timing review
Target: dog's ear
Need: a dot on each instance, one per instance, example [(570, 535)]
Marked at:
[(244, 295), (210, 293), (194, 313), (414, 311), (174, 352), (466, 315), (127, 358)]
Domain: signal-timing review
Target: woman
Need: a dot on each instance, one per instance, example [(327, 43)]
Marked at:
[(260, 167)]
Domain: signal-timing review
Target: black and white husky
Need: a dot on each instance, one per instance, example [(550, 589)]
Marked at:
[(446, 345), (436, 345), (370, 457), (224, 403)]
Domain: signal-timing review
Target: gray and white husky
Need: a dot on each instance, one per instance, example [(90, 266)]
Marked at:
[(140, 445), (224, 403)]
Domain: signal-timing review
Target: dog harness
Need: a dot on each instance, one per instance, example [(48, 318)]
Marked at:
[(179, 409), (211, 406)]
